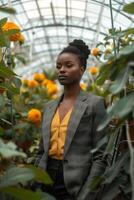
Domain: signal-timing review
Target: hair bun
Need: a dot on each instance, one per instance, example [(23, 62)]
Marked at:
[(80, 44)]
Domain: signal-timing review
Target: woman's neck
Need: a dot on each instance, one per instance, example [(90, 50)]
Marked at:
[(71, 92)]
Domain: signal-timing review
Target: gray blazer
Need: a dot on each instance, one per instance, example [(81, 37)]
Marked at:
[(79, 165)]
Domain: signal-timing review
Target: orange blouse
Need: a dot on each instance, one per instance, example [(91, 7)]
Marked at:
[(58, 135)]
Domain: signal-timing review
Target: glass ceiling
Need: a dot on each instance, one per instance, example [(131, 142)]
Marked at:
[(48, 25)]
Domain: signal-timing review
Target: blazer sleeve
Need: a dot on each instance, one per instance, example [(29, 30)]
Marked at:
[(99, 163)]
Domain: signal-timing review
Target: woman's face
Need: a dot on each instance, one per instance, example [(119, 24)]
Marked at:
[(68, 68)]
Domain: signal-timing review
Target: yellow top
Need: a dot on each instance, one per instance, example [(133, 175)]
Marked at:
[(58, 135)]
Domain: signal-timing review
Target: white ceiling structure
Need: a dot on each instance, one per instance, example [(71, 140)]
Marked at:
[(48, 26)]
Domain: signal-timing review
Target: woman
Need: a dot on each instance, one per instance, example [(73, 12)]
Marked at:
[(69, 130)]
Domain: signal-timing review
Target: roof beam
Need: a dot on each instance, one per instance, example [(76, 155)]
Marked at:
[(45, 33), (67, 30), (84, 18), (107, 5), (55, 22), (62, 25), (96, 36)]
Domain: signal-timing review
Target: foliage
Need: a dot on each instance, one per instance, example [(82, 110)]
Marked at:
[(129, 8), (9, 149), (7, 10), (16, 131), (15, 176), (115, 82), (113, 79)]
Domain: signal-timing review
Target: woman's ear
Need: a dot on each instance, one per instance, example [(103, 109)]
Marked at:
[(82, 70)]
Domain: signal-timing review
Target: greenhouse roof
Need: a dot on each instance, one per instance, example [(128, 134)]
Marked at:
[(48, 26)]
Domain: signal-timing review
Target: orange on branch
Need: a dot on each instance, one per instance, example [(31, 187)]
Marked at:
[(11, 26), (95, 51), (52, 88), (34, 115), (32, 83), (39, 77), (93, 70), (47, 81)]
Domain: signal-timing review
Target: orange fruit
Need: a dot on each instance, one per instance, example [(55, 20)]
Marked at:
[(95, 51)]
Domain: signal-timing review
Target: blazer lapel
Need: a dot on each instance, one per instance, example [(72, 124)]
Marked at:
[(47, 123), (77, 113)]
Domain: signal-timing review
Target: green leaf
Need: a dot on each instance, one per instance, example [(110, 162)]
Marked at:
[(5, 121), (2, 102), (111, 190), (46, 196), (1, 131), (41, 175), (129, 8), (128, 31), (10, 87), (2, 21), (111, 142), (127, 50), (5, 71), (127, 188), (121, 80), (20, 58), (112, 172), (24, 194), (99, 144), (9, 149), (104, 73), (111, 31), (21, 126), (21, 193), (11, 32), (15, 175), (89, 187), (117, 66), (7, 10), (17, 82), (96, 182), (1, 53), (4, 40), (121, 108), (125, 32)]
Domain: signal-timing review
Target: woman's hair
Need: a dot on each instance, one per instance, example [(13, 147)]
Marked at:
[(79, 48)]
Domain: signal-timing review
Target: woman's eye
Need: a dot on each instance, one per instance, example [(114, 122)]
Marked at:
[(58, 66), (69, 65)]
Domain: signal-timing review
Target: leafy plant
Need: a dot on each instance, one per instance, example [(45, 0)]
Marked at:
[(115, 82), (14, 178)]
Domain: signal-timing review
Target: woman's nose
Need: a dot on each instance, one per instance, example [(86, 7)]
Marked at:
[(62, 69)]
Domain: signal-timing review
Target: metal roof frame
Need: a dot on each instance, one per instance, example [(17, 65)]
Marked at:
[(90, 26)]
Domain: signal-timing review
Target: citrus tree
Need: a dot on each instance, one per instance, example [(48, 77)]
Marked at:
[(114, 80), (14, 177)]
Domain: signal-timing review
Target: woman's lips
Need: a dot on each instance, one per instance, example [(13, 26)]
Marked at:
[(62, 77)]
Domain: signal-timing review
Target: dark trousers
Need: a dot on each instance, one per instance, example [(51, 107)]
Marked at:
[(58, 190)]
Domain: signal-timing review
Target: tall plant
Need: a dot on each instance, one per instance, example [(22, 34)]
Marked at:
[(13, 177), (115, 82)]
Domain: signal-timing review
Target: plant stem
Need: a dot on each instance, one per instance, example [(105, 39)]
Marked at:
[(3, 54), (131, 168), (131, 158), (91, 78), (116, 146), (113, 30), (9, 63)]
